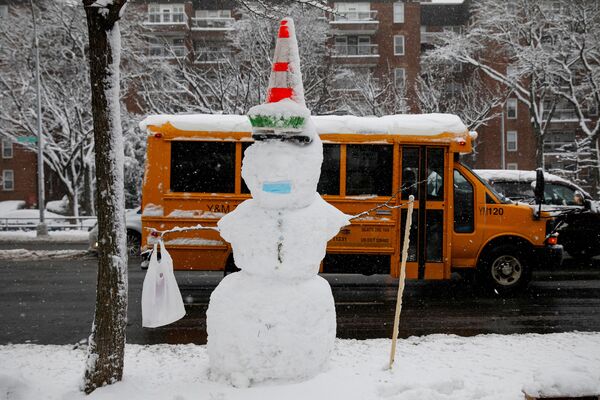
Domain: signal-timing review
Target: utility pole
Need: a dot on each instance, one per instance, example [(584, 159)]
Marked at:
[(42, 229), (502, 141)]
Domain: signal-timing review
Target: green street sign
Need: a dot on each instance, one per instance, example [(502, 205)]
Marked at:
[(27, 139)]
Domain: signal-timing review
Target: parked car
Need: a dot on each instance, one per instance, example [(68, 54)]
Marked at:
[(577, 211), (133, 223)]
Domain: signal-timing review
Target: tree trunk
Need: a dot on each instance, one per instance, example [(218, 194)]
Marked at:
[(595, 172), (539, 142), (107, 341)]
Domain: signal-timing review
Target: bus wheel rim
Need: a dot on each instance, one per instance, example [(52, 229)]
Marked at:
[(506, 270)]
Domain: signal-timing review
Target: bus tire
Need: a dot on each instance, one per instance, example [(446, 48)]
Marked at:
[(134, 243), (504, 269)]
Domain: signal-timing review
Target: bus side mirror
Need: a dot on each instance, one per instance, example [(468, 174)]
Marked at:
[(538, 191)]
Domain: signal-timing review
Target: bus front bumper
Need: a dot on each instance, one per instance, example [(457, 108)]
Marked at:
[(549, 256)]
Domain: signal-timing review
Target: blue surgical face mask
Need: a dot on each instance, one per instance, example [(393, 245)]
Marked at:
[(277, 187)]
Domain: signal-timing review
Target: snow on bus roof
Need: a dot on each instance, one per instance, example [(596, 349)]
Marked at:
[(414, 124)]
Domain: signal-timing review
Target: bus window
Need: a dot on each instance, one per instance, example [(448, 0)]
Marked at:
[(410, 172), (464, 206), (245, 189), (369, 169), (329, 182), (434, 232), (435, 174), (412, 236), (207, 167)]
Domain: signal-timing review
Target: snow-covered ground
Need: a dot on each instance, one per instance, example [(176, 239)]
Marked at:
[(74, 235), (436, 367), (35, 255)]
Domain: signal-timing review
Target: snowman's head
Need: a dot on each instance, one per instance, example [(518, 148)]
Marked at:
[(283, 174)]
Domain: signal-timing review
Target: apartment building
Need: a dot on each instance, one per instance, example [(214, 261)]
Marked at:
[(377, 37), (193, 29)]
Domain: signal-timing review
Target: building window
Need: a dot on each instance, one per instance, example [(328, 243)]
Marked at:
[(512, 166), (178, 13), (166, 13), (592, 108), (511, 109), (400, 77), (161, 47), (354, 46), (398, 12), (353, 11), (213, 14), (7, 148), (511, 140), (8, 180), (399, 45), (213, 19), (153, 13), (3, 12)]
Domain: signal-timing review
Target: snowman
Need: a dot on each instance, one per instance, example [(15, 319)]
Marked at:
[(275, 319)]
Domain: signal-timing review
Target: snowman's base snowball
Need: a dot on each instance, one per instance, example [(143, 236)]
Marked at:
[(265, 329)]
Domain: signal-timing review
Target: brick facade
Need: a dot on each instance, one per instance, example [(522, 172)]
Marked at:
[(22, 163)]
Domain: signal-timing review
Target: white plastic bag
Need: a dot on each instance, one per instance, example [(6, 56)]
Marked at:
[(161, 300)]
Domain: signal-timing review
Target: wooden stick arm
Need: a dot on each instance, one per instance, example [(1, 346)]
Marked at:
[(157, 233)]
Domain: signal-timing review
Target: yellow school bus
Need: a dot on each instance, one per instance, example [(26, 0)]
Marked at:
[(460, 224)]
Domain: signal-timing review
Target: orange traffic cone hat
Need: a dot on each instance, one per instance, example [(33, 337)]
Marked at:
[(284, 114), (286, 78)]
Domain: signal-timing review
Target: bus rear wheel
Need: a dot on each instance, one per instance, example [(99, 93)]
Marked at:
[(504, 269)]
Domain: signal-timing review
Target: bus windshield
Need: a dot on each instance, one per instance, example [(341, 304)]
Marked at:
[(503, 199)]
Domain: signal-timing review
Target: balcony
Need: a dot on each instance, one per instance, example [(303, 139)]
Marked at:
[(356, 50), (212, 24), (354, 22), (174, 22), (167, 52), (431, 38), (212, 56), (559, 148), (361, 54)]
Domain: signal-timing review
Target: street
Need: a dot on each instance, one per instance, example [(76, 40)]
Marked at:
[(52, 302)]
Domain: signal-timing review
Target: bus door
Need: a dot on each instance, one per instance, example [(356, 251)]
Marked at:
[(466, 239), (424, 176)]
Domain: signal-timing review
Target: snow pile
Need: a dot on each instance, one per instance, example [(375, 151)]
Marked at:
[(153, 210), (200, 122), (417, 124), (59, 206), (29, 217), (73, 235), (35, 255), (11, 205), (436, 367)]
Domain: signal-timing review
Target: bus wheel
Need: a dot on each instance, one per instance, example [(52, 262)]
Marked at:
[(134, 243), (505, 269)]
